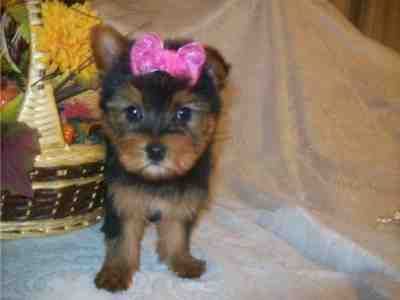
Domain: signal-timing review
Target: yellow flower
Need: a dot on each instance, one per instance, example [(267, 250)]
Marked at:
[(65, 38)]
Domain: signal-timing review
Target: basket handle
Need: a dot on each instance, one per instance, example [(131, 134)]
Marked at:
[(39, 109)]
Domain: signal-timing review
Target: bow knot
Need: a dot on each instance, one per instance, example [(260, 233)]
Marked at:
[(148, 55)]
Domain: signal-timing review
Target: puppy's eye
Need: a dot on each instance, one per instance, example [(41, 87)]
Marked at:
[(183, 114), (134, 113)]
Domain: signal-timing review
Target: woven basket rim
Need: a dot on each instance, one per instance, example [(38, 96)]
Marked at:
[(18, 230)]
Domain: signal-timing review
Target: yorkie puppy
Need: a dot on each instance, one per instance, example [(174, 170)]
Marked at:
[(161, 104)]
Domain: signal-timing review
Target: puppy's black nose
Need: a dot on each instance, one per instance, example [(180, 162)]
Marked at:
[(156, 152)]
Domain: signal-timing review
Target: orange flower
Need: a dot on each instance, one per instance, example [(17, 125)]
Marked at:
[(65, 38)]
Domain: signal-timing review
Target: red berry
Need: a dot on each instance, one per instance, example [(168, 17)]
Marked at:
[(8, 92), (69, 133)]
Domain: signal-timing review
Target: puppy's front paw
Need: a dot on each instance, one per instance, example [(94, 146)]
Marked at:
[(113, 279), (188, 267)]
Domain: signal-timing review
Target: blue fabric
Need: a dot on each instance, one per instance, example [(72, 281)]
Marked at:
[(287, 254), (28, 264)]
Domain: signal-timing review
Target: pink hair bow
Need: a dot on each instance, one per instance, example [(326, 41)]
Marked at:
[(148, 55)]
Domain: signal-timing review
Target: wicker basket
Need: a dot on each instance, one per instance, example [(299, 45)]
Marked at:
[(67, 180)]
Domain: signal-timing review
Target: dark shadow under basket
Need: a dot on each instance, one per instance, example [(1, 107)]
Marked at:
[(67, 180)]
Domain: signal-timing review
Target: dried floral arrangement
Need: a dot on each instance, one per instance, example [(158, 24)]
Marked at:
[(64, 39)]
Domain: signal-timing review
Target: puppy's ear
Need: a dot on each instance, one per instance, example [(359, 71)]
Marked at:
[(108, 46), (219, 68)]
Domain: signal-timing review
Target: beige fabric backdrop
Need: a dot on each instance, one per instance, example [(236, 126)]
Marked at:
[(312, 110)]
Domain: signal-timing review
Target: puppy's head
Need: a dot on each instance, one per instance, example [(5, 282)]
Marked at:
[(159, 124)]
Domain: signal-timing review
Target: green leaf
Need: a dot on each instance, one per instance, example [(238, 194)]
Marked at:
[(25, 61), (20, 14), (4, 49), (6, 55), (5, 66), (9, 112), (24, 29)]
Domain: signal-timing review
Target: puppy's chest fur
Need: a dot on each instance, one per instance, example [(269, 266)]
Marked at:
[(131, 201)]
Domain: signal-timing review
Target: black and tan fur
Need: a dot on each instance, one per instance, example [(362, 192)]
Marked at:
[(172, 192)]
